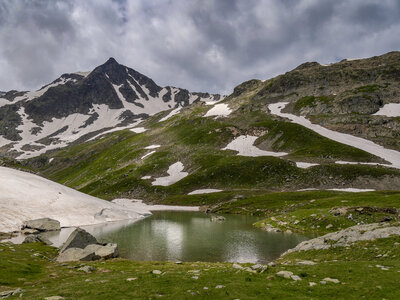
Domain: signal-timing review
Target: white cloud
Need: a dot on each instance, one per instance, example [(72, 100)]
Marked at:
[(209, 45)]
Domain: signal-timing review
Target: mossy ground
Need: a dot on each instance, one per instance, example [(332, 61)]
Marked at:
[(358, 268), (112, 166)]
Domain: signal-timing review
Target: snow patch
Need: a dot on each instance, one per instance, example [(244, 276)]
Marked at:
[(352, 190), (304, 165), (175, 172), (25, 196), (146, 177), (389, 110), (4, 141), (244, 145), (138, 129), (148, 154), (171, 114), (389, 155), (84, 74), (4, 102), (138, 205), (152, 147), (204, 191), (219, 110)]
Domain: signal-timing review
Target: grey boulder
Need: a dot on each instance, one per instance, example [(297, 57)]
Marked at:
[(79, 238), (89, 253), (44, 224)]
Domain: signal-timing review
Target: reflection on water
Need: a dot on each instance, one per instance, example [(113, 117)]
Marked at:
[(191, 236), (188, 236)]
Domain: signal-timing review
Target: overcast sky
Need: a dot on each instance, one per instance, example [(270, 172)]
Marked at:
[(207, 45)]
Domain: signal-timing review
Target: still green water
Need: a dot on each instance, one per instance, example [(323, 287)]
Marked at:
[(191, 236)]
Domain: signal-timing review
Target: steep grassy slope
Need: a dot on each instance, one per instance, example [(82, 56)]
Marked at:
[(112, 166)]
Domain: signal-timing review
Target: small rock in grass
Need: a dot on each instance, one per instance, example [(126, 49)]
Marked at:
[(88, 280), (87, 269), (322, 282), (284, 274), (178, 262), (157, 272), (329, 226), (333, 280), (236, 266), (312, 284), (195, 277), (131, 279), (219, 286), (295, 277), (305, 263), (205, 288), (54, 298), (250, 270), (271, 264), (10, 293)]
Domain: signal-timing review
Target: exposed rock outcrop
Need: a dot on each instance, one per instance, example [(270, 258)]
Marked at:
[(349, 236)]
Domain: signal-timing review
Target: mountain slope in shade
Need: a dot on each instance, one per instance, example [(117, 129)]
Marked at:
[(79, 106), (25, 196)]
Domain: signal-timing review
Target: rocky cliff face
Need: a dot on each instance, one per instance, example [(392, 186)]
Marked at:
[(78, 106)]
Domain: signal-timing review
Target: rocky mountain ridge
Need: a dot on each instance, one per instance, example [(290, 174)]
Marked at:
[(78, 106)]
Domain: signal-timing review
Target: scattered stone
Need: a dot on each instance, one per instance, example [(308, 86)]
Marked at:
[(79, 238), (322, 282), (87, 269), (296, 222), (217, 218), (284, 274), (305, 263), (236, 266), (295, 277), (250, 270), (312, 284), (28, 231), (54, 298), (178, 262), (195, 277), (259, 268), (270, 228), (386, 219), (77, 254), (88, 280), (131, 279), (350, 217), (272, 264), (44, 224), (106, 252), (219, 286), (329, 226), (156, 272), (205, 288), (31, 239), (288, 231), (10, 293), (333, 280)]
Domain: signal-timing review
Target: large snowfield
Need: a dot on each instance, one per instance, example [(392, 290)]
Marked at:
[(25, 196)]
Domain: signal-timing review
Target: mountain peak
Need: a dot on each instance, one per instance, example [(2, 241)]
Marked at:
[(111, 61)]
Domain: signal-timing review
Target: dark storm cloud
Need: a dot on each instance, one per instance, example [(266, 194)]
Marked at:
[(209, 45)]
